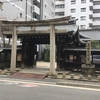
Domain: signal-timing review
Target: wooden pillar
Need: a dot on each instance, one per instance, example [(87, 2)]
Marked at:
[(30, 54), (23, 54), (52, 49), (13, 52), (58, 56)]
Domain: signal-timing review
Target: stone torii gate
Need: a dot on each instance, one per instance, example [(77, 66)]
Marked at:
[(51, 27)]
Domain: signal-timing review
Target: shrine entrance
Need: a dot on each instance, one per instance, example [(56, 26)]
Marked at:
[(56, 32)]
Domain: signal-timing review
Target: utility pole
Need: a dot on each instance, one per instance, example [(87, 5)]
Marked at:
[(26, 11)]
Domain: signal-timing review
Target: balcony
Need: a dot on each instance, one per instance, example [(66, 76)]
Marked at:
[(35, 9), (36, 2), (91, 7), (95, 0), (96, 23), (59, 2), (96, 6), (95, 15), (90, 25), (59, 10), (91, 0), (91, 16)]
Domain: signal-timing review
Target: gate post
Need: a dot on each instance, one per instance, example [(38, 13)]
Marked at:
[(52, 49), (14, 49)]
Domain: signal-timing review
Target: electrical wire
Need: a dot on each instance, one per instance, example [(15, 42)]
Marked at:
[(11, 1)]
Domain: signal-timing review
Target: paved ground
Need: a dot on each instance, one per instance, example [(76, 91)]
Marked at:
[(19, 90), (43, 68)]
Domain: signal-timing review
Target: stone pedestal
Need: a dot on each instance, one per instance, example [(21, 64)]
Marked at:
[(88, 69)]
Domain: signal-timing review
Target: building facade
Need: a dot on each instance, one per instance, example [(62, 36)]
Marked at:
[(20, 10), (86, 11), (47, 9), (59, 8), (27, 9)]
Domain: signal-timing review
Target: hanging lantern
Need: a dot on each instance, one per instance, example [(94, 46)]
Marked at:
[(1, 5)]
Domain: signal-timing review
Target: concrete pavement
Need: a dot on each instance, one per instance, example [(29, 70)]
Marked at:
[(12, 89), (62, 77)]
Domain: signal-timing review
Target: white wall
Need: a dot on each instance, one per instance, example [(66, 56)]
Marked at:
[(48, 9), (12, 10), (78, 12)]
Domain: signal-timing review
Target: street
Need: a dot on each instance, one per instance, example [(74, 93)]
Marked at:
[(19, 90)]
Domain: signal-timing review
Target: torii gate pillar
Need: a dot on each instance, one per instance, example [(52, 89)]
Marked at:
[(14, 49), (52, 49)]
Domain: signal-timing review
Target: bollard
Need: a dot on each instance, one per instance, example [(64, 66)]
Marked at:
[(64, 75), (80, 77), (5, 70), (89, 77), (72, 75), (56, 75), (98, 78), (0, 71)]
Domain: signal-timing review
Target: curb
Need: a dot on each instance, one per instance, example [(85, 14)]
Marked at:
[(79, 85), (52, 83)]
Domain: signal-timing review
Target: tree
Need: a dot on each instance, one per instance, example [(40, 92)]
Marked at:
[(47, 53), (95, 44), (3, 38), (5, 28)]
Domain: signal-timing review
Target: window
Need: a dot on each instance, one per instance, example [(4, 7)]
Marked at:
[(35, 16), (73, 10), (60, 6), (83, 17), (96, 11), (20, 15), (73, 18), (73, 1), (83, 9), (83, 1), (59, 14), (82, 26), (45, 6)]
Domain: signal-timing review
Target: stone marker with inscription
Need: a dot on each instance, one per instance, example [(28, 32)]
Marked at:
[(88, 68)]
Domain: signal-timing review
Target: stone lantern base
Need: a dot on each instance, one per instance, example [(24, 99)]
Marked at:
[(88, 69)]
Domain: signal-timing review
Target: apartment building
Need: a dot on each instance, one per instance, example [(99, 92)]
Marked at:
[(20, 10), (86, 11), (47, 9), (27, 9), (95, 16), (59, 8)]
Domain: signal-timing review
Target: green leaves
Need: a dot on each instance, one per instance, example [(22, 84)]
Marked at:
[(95, 44)]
